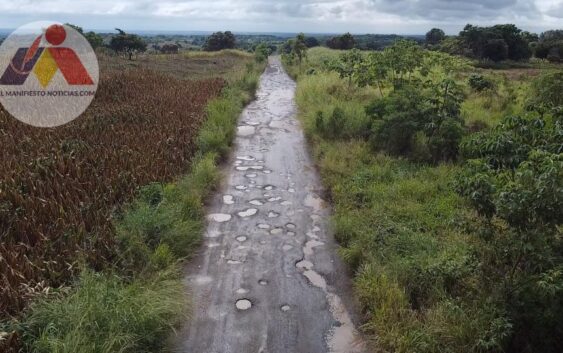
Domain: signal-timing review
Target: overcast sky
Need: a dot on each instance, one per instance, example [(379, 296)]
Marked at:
[(310, 16)]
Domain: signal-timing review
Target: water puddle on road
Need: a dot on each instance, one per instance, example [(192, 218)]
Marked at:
[(247, 213), (243, 304), (228, 199)]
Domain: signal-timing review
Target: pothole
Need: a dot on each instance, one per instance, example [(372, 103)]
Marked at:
[(269, 187), (243, 304), (276, 231), (241, 187), (304, 265), (201, 280), (273, 199), (285, 308), (273, 214), (263, 226), (310, 245), (286, 203), (251, 175), (241, 238), (219, 217), (247, 213), (290, 226), (315, 279), (246, 158), (228, 199), (256, 202), (263, 282)]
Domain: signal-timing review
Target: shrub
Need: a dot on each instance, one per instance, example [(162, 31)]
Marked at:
[(432, 110), (480, 83), (516, 178), (546, 91)]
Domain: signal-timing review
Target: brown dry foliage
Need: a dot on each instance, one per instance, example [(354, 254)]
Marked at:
[(60, 187)]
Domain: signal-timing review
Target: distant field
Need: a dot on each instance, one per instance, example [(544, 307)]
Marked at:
[(186, 65)]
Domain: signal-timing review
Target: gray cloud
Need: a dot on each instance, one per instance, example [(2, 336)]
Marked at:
[(458, 9), (382, 16), (556, 11)]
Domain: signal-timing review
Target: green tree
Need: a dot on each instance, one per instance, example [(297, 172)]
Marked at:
[(127, 44), (312, 42), (343, 42), (349, 65), (219, 41), (495, 50), (435, 36), (93, 38), (299, 48), (261, 52), (550, 46), (496, 43)]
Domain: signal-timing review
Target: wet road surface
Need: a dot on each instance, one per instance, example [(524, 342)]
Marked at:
[(268, 279)]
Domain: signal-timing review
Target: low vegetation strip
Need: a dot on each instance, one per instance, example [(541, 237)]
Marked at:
[(452, 227), (126, 294)]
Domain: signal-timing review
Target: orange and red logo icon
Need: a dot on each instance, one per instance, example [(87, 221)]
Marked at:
[(49, 74), (46, 61)]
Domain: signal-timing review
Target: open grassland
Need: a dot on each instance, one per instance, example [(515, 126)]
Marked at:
[(427, 273), (96, 215)]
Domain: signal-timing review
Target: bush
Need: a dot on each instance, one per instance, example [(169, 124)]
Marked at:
[(516, 178), (413, 115), (545, 93), (480, 83)]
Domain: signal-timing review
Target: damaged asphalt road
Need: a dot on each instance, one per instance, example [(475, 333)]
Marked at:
[(268, 279)]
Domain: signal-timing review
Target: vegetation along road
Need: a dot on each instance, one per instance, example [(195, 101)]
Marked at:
[(268, 278)]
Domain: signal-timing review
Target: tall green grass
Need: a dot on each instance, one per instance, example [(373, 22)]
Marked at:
[(103, 314), (135, 306)]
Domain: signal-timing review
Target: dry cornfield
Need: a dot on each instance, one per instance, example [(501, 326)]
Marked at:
[(59, 188)]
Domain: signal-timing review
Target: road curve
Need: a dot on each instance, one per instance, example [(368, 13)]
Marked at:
[(268, 279)]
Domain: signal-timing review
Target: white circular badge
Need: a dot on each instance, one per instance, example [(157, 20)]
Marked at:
[(49, 74)]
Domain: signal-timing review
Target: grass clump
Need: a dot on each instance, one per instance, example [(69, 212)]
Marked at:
[(102, 314)]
